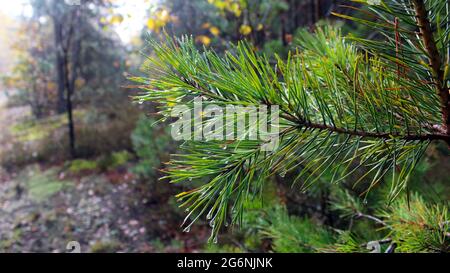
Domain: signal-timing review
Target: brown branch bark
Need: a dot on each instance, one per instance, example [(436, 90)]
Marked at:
[(423, 137), (435, 61)]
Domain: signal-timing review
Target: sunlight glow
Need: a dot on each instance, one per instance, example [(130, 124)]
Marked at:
[(133, 11)]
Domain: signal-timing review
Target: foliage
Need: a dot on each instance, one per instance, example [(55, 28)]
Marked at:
[(292, 234), (411, 224), (418, 227), (218, 22), (151, 143)]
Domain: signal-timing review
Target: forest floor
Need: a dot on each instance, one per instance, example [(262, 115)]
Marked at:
[(45, 206)]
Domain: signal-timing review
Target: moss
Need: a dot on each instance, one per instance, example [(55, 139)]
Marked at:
[(28, 131), (105, 247), (81, 165), (114, 160), (42, 185), (158, 245), (120, 158), (34, 130), (161, 247), (215, 248)]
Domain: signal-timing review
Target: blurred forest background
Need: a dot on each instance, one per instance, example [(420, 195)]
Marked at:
[(80, 160)]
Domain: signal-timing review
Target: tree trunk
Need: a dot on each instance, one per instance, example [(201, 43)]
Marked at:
[(69, 106), (61, 104), (70, 76)]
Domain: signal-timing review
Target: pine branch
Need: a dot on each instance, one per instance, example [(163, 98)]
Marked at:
[(307, 124), (435, 61), (423, 137), (381, 242), (391, 248), (370, 217), (341, 111)]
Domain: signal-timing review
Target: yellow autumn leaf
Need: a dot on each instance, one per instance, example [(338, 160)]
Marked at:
[(245, 29), (116, 19), (79, 83), (220, 5), (236, 9), (151, 24), (204, 40), (214, 31), (163, 16), (51, 86)]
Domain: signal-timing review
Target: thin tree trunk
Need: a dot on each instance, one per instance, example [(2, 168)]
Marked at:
[(70, 123), (71, 78), (61, 104)]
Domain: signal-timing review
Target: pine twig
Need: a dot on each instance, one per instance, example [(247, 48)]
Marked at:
[(422, 137), (435, 61), (370, 217)]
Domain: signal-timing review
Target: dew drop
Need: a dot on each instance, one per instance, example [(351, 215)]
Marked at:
[(187, 230), (209, 216)]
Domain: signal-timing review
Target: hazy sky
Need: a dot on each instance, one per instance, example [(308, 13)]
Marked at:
[(134, 12), (15, 7)]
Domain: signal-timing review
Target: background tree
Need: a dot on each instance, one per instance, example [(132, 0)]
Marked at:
[(77, 30)]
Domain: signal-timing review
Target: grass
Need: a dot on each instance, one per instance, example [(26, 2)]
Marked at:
[(42, 185), (34, 130), (81, 165)]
